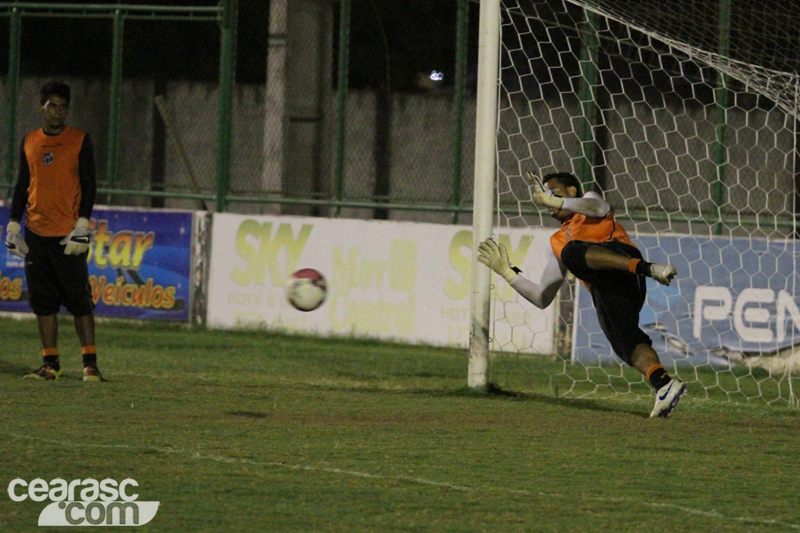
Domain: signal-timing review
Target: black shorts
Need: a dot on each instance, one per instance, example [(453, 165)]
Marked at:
[(618, 295), (55, 279)]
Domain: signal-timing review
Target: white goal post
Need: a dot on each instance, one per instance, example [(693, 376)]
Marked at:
[(684, 116), (485, 171)]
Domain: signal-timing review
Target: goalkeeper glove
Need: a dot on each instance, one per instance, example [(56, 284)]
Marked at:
[(496, 258), (540, 196), (14, 241), (77, 242)]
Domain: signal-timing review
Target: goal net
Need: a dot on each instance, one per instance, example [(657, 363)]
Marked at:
[(683, 115)]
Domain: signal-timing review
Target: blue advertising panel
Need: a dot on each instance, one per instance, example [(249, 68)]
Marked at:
[(732, 298), (139, 265)]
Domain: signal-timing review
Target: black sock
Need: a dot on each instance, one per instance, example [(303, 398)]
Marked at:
[(89, 359), (659, 378), (52, 361), (643, 268)]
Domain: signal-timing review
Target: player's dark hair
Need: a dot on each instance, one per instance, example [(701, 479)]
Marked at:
[(54, 88), (567, 180)]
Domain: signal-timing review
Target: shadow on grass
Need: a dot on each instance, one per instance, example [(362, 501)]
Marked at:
[(493, 390), (15, 369)]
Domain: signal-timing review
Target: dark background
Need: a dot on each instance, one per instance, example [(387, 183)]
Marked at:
[(407, 37)]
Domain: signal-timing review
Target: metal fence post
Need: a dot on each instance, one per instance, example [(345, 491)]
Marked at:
[(462, 20), (226, 79), (13, 85), (113, 114), (341, 100)]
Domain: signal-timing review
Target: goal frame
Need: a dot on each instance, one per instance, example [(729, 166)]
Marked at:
[(485, 172), (487, 159)]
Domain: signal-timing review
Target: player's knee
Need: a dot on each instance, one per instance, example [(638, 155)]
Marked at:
[(43, 306), (79, 302), (574, 256)]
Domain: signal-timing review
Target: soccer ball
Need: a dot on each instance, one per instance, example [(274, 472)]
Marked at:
[(306, 289)]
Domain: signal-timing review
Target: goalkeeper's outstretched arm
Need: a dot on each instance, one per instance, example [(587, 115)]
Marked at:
[(539, 294), (590, 204)]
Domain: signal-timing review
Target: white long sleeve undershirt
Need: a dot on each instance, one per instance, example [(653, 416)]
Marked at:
[(591, 205), (542, 294)]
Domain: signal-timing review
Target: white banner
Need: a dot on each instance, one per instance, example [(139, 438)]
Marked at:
[(400, 281)]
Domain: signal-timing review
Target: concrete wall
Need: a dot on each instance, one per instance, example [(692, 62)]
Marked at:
[(421, 142)]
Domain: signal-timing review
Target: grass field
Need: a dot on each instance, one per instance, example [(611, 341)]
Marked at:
[(240, 432)]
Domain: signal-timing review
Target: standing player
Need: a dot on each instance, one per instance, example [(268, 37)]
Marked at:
[(598, 251), (56, 183)]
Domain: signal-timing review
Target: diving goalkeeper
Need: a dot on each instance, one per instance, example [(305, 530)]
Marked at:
[(597, 250)]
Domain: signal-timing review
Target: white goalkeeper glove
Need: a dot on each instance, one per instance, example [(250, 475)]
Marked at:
[(496, 257), (540, 196), (77, 242), (15, 243)]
